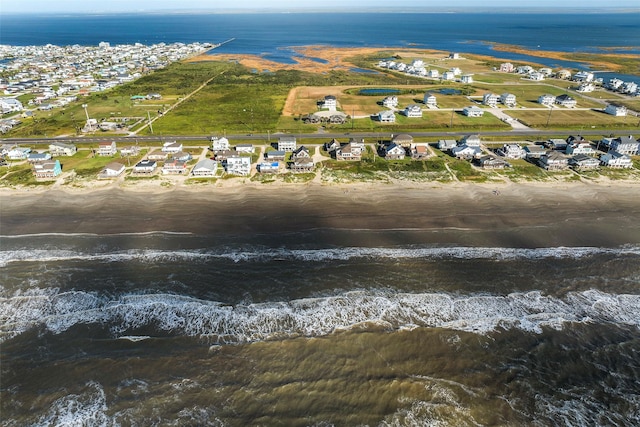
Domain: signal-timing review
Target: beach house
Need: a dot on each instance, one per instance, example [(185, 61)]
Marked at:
[(62, 149), (174, 167), (584, 162), (512, 151), (18, 153), (472, 111), (268, 167), (490, 99), (430, 100), (472, 140), (508, 99), (386, 116), (301, 160), (393, 151), (579, 147), (413, 110), (329, 103), (206, 168), (38, 157), (245, 148), (420, 152), (172, 147), (566, 101), (286, 143), (547, 100), (506, 67), (554, 161), (613, 159), (448, 76), (349, 152), (625, 145), (466, 152), (145, 167), (491, 162), (107, 148), (219, 144), (390, 101), (47, 170), (466, 78), (112, 170), (616, 110), (238, 165), (446, 144)]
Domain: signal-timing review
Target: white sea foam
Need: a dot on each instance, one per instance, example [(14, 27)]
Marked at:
[(528, 311), (312, 255), (85, 409)]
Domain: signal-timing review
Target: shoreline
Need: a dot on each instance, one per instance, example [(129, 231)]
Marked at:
[(518, 215)]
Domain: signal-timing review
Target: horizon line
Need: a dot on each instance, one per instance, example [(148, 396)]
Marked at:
[(316, 9)]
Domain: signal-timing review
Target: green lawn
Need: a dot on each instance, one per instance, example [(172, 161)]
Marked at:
[(571, 119)]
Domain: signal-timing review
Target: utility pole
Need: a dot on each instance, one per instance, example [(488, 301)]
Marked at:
[(150, 125), (549, 116)]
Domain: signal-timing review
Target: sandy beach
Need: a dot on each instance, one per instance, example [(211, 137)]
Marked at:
[(512, 215)]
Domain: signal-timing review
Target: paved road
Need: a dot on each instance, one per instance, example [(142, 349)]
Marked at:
[(529, 134)]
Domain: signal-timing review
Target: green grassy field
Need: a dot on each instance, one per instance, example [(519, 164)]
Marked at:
[(571, 119), (237, 100)]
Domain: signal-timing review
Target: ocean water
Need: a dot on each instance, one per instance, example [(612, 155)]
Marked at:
[(268, 319), (272, 35)]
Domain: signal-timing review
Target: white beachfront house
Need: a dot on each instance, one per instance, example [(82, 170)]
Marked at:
[(616, 160), (238, 165), (62, 149), (219, 144), (107, 148), (390, 101), (586, 87), (112, 170), (329, 102), (10, 105), (472, 111), (512, 151), (467, 78), (616, 110), (145, 166), (471, 140), (205, 168), (430, 100), (287, 143), (583, 76), (448, 76), (537, 76), (245, 148), (579, 148), (172, 147), (413, 110), (433, 73), (386, 116), (566, 101), (508, 99), (625, 145), (547, 100), (490, 99)]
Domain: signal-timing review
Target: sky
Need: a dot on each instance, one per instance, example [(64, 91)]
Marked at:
[(86, 6)]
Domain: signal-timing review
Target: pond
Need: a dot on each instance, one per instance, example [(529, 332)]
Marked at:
[(379, 91), (450, 91)]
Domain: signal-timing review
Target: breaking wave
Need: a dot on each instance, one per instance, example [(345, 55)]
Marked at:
[(325, 254), (528, 311)]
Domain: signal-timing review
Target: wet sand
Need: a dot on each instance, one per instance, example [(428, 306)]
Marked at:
[(511, 215)]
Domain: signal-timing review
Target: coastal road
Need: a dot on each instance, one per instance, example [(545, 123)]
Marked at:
[(525, 134)]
